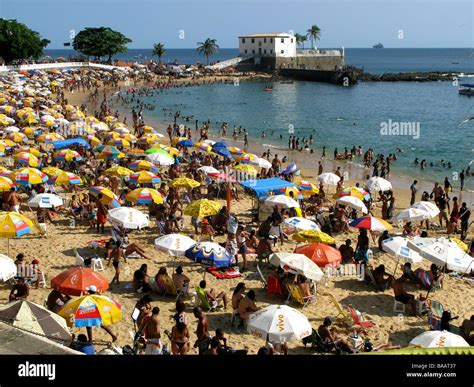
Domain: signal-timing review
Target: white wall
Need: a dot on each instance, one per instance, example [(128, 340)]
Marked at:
[(268, 46)]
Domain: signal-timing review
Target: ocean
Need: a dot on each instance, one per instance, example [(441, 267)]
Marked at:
[(429, 115)]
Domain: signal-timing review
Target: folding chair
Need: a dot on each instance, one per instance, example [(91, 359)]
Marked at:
[(261, 277), (343, 310), (296, 295), (97, 264), (360, 321), (273, 286), (435, 312), (204, 302)]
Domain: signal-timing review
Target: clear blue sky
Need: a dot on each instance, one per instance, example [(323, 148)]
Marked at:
[(348, 23)]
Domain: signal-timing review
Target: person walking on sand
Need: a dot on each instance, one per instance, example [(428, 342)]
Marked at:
[(413, 190), (117, 254), (101, 213)]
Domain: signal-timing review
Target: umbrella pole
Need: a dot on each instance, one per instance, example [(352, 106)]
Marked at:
[(396, 267)]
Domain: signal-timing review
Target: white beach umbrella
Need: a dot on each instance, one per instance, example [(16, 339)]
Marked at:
[(397, 247), (429, 207), (122, 130), (128, 217), (411, 215), (280, 323), (329, 178), (208, 170), (12, 129), (46, 200), (261, 163), (299, 224), (375, 184), (174, 244), (8, 268), (297, 264), (282, 200), (160, 159), (210, 142), (158, 134), (439, 339), (354, 203)]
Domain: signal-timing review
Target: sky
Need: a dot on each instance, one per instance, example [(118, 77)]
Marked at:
[(183, 23)]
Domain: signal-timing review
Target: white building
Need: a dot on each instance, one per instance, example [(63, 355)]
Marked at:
[(272, 44)]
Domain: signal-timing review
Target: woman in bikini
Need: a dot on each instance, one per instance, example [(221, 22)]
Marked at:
[(180, 344)]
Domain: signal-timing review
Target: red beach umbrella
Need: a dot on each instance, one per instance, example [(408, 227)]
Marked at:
[(77, 280), (321, 254)]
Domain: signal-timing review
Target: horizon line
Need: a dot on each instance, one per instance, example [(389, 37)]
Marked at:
[(320, 48)]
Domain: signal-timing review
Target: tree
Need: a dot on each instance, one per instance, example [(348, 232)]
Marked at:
[(102, 41), (313, 34), (300, 39), (159, 50), (18, 42), (208, 48)]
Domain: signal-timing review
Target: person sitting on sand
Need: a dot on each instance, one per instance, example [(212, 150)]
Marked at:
[(237, 296), (411, 276), (409, 230), (20, 290), (83, 345), (347, 252), (467, 327), (164, 283), (76, 207), (140, 280), (401, 295), (206, 230), (330, 337), (382, 279), (180, 281), (212, 296), (247, 306)]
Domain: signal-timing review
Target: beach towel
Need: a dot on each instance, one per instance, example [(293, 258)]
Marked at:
[(424, 279), (223, 272)]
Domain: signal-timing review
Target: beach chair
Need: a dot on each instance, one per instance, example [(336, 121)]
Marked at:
[(435, 312), (203, 301), (273, 286), (359, 320), (316, 341), (297, 297), (343, 310), (97, 264), (261, 277)]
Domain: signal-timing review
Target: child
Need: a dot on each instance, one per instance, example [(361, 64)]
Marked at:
[(207, 229)]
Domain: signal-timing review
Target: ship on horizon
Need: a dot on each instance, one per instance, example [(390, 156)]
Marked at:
[(378, 45)]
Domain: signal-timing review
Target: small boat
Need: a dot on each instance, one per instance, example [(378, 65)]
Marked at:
[(268, 88), (378, 45), (466, 89)]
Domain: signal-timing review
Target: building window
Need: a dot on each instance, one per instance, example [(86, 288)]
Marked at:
[(264, 40), (282, 51), (253, 40), (245, 51), (291, 40), (253, 51), (264, 51), (283, 40), (243, 40), (271, 40), (271, 51)]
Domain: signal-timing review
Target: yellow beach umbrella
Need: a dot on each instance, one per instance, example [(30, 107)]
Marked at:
[(202, 207), (313, 236), (245, 168), (6, 184), (52, 171), (145, 196), (13, 225), (30, 120), (463, 246), (17, 137), (148, 129), (184, 182), (26, 158), (66, 178), (119, 171)]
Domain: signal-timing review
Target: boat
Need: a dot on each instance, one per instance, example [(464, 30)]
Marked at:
[(378, 45), (466, 89), (268, 88)]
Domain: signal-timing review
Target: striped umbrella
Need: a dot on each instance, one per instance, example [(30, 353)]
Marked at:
[(235, 151), (148, 139), (307, 188), (6, 184), (203, 146), (119, 142), (28, 176), (18, 137), (144, 177), (130, 138), (110, 152), (5, 172), (160, 159), (27, 159), (145, 196), (65, 178), (67, 155), (13, 224), (50, 137), (2, 151), (143, 165), (112, 135), (33, 151), (8, 144), (356, 192), (108, 197), (371, 223), (118, 171)]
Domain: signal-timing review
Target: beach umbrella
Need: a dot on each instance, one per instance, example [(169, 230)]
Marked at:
[(144, 196), (354, 203), (202, 208), (7, 143), (130, 138), (17, 137), (13, 225), (34, 318), (118, 171), (313, 236), (45, 200), (203, 147), (291, 168), (119, 142), (208, 170), (186, 143), (411, 215), (27, 159), (33, 151), (307, 188), (135, 152), (259, 162), (321, 254), (12, 129), (236, 151), (160, 159), (144, 177), (147, 129), (128, 217), (223, 176), (30, 131), (123, 131), (209, 253), (279, 323), (219, 144), (52, 171), (170, 150), (50, 137), (429, 207), (67, 155), (376, 184), (2, 151), (8, 268), (371, 223), (398, 247), (76, 281), (437, 339), (329, 178), (297, 224), (463, 246), (245, 168), (297, 264), (143, 165), (224, 152), (356, 192), (174, 244), (91, 311), (4, 172), (28, 176), (282, 201), (443, 252), (110, 152), (6, 184), (108, 197), (148, 139), (100, 126), (65, 178), (184, 182)]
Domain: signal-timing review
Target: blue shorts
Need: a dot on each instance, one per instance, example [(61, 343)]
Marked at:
[(362, 255)]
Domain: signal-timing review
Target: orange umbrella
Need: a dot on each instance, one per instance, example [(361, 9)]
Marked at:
[(321, 254), (77, 280)]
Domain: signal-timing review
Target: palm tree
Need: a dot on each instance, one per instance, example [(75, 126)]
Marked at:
[(314, 33), (208, 48), (300, 39), (159, 50)]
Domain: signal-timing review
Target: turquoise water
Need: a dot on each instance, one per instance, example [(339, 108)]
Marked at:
[(339, 117)]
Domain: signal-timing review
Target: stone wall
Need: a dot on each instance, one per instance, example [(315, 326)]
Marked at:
[(330, 63)]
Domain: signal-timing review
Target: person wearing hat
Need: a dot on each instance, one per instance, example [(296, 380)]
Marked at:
[(181, 281), (207, 229), (330, 337)]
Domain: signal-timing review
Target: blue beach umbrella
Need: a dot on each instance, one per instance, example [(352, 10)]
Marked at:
[(220, 144), (222, 152), (186, 143), (209, 253)]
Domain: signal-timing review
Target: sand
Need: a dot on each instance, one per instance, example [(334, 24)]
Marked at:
[(55, 252)]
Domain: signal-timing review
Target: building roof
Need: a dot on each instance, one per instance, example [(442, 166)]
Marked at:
[(268, 35)]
